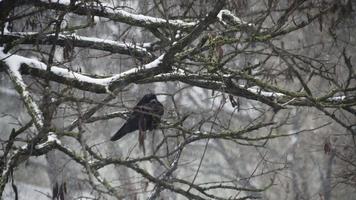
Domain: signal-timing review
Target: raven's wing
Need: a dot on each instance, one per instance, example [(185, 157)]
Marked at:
[(146, 116), (130, 125)]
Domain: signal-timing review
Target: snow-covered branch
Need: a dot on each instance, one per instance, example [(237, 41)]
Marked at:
[(113, 13), (30, 104), (85, 82), (153, 72), (126, 48), (16, 78), (275, 97), (226, 17), (105, 84), (23, 153)]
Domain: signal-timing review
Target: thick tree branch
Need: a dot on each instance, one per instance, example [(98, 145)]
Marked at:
[(23, 153), (115, 14), (21, 88), (77, 41), (80, 81), (155, 72)]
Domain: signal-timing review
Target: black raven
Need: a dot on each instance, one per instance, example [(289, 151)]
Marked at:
[(146, 115)]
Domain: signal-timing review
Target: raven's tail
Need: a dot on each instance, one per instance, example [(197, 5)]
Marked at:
[(126, 128)]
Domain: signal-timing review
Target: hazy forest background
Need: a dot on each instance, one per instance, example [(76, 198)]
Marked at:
[(259, 98)]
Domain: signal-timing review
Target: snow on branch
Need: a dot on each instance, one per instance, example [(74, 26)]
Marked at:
[(21, 88), (226, 17), (30, 104), (22, 153), (273, 96), (150, 21), (126, 48), (113, 13), (19, 64), (51, 139)]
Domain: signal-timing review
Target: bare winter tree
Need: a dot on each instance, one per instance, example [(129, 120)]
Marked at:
[(259, 99)]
